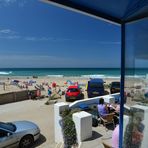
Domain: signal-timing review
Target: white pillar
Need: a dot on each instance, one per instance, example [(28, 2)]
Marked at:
[(125, 122), (58, 107), (83, 124), (143, 112)]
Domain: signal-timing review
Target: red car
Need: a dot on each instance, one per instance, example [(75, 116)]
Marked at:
[(73, 93)]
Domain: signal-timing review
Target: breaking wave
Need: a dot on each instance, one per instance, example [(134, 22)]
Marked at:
[(5, 73), (59, 76), (99, 76)]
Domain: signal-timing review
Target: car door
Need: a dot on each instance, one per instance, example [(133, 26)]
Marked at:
[(7, 139)]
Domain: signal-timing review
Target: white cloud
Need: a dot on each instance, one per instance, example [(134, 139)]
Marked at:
[(45, 39), (10, 37), (11, 34), (20, 3), (30, 38), (68, 39), (6, 2), (38, 38), (8, 34), (109, 42), (7, 31)]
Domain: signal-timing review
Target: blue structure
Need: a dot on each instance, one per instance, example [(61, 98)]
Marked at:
[(132, 16)]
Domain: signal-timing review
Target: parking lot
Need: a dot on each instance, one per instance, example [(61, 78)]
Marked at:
[(35, 111)]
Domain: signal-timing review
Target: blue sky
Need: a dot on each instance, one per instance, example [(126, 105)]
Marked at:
[(35, 34)]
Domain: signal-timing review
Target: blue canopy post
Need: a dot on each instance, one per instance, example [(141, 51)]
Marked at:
[(122, 83)]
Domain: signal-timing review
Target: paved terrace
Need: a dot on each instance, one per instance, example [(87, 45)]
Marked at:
[(34, 111), (42, 115), (99, 134)]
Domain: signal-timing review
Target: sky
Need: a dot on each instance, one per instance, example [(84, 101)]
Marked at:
[(35, 34)]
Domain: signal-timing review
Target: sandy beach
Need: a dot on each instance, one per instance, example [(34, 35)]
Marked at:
[(61, 84), (60, 81)]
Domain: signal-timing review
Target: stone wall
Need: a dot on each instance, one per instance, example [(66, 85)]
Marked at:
[(15, 96)]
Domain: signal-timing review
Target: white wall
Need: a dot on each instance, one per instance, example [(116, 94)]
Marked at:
[(107, 98), (83, 124), (58, 107)]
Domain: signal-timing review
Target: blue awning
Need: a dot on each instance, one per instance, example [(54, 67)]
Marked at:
[(117, 11)]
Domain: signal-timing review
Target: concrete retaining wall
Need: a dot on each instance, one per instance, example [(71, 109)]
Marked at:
[(14, 96)]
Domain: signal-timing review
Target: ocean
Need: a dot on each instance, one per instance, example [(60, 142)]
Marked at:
[(70, 72)]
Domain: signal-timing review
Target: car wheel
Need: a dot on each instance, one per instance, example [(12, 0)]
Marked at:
[(82, 96), (26, 142), (67, 100)]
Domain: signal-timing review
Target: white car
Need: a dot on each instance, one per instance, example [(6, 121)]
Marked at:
[(20, 134)]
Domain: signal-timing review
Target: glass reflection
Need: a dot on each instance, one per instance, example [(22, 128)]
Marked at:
[(136, 84)]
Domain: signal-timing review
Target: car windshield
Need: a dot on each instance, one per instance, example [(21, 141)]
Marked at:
[(96, 85), (8, 126), (72, 90)]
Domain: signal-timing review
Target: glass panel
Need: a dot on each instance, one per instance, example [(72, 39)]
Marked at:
[(136, 85)]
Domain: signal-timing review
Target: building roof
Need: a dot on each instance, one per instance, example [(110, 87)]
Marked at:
[(116, 11)]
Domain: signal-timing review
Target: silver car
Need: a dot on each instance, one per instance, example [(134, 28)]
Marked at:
[(20, 134)]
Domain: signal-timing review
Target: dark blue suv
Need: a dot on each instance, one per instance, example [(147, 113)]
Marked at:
[(95, 88)]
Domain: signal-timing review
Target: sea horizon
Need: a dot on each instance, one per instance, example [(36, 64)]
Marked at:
[(71, 72)]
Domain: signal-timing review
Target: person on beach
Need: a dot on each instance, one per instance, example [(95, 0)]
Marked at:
[(4, 86), (115, 108), (102, 108), (26, 86), (49, 92), (38, 93), (29, 95), (59, 92), (54, 85)]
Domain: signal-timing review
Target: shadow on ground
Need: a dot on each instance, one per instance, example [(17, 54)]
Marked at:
[(40, 141), (95, 135), (110, 127)]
